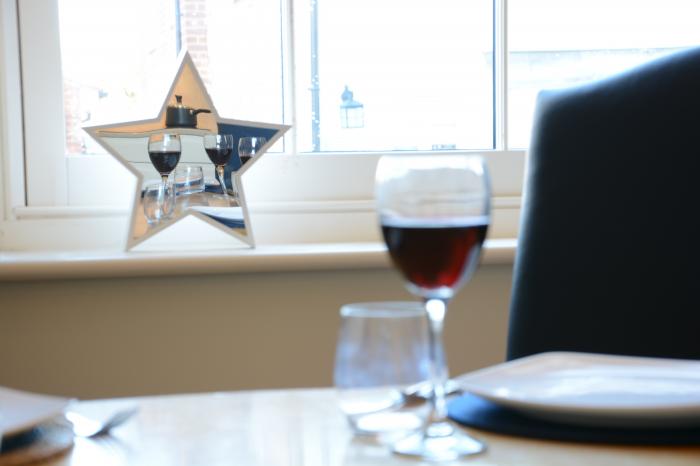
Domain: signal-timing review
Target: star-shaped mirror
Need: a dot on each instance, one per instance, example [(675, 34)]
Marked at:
[(188, 161)]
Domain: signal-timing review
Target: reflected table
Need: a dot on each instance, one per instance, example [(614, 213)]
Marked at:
[(305, 428)]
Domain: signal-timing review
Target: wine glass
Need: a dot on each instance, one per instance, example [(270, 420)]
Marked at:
[(249, 146), (434, 212), (219, 148), (164, 150)]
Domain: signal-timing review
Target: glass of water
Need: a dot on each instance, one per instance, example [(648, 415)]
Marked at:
[(158, 201), (189, 179), (382, 349)]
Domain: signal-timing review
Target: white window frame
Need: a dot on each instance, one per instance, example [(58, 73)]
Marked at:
[(36, 173)]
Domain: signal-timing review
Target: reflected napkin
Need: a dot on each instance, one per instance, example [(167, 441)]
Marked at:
[(232, 217)]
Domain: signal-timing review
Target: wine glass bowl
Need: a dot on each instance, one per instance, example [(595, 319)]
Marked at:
[(249, 147), (434, 212), (436, 258), (219, 148), (164, 150)]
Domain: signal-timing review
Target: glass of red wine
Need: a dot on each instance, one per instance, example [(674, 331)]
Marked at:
[(249, 146), (164, 150), (434, 212), (219, 148)]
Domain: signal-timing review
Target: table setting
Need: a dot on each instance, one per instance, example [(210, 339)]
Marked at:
[(184, 187), (35, 427), (188, 155), (393, 401), (312, 427)]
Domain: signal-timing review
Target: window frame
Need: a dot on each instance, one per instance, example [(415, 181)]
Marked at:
[(36, 173), (11, 141)]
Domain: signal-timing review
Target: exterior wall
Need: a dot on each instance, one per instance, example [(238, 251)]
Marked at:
[(123, 337), (80, 99), (193, 21)]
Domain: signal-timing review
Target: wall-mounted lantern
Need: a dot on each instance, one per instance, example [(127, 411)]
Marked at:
[(352, 112)]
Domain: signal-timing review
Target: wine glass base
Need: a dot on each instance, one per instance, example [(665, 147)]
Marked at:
[(219, 200), (439, 447)]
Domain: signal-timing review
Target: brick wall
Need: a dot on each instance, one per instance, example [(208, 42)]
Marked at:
[(72, 115), (193, 33), (193, 23)]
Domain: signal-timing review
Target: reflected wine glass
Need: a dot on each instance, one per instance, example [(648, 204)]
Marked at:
[(249, 146), (164, 150), (219, 148), (434, 212)]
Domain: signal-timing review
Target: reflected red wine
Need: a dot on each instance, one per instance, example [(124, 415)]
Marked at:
[(219, 155), (165, 162), (245, 159), (435, 255)]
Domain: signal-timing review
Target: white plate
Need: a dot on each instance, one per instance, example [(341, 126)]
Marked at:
[(23, 410), (594, 389)]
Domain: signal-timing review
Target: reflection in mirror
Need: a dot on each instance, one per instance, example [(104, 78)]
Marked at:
[(268, 135), (207, 161), (186, 161), (191, 184)]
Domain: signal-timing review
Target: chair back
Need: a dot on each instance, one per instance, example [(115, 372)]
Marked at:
[(608, 258)]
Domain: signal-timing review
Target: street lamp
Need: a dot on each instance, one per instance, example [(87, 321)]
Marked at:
[(352, 112)]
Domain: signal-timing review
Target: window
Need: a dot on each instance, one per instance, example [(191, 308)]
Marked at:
[(582, 41), (234, 44), (420, 73), (423, 75), (422, 70)]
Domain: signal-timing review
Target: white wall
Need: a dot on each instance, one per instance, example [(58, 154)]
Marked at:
[(121, 337)]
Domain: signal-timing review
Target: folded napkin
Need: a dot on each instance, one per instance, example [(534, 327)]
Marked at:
[(473, 411), (19, 440), (39, 443), (232, 217)]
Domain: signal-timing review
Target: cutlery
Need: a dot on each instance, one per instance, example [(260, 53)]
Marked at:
[(84, 426)]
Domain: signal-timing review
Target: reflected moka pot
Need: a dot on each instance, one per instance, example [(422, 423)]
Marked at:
[(181, 116)]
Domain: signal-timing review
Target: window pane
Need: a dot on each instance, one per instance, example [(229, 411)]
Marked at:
[(394, 74), (119, 57), (556, 44), (245, 58), (116, 58)]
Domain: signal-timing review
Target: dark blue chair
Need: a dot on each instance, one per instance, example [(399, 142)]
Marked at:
[(608, 258)]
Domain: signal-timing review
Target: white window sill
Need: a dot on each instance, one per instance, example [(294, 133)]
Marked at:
[(25, 266)]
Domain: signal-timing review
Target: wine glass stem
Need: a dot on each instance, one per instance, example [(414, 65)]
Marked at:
[(220, 175), (437, 420), (161, 195)]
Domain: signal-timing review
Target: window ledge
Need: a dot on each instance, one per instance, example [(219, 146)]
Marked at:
[(25, 266)]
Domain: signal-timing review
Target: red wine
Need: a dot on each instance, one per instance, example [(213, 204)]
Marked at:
[(219, 155), (165, 162), (434, 254), (245, 159)]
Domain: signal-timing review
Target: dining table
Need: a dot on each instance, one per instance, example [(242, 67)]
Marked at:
[(305, 427)]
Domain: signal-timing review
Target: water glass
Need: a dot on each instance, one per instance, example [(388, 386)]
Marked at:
[(382, 348), (234, 186), (189, 180), (158, 201)]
